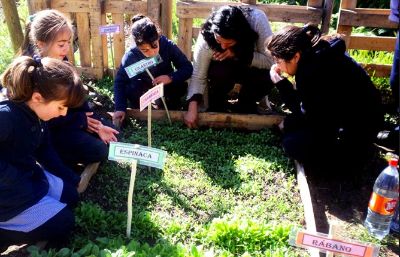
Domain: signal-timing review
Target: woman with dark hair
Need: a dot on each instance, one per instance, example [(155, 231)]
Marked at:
[(335, 108), (230, 62)]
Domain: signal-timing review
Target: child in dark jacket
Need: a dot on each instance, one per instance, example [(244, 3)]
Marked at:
[(78, 137), (335, 108), (149, 43), (36, 189)]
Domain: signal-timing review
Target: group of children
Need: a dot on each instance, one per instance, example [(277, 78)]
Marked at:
[(47, 127)]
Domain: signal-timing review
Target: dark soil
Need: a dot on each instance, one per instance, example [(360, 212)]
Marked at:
[(344, 200)]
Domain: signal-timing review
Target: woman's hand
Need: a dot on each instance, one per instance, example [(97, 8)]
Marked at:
[(191, 116), (92, 124), (118, 118), (107, 134), (220, 56), (165, 79)]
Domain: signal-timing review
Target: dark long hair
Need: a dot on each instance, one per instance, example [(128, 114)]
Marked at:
[(230, 22), (292, 39)]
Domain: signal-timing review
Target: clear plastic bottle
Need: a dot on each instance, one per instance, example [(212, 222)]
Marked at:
[(383, 201)]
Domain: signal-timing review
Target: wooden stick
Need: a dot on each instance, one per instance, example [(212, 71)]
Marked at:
[(130, 195)]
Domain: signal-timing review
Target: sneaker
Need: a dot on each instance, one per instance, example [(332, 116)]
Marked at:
[(86, 175), (264, 107)]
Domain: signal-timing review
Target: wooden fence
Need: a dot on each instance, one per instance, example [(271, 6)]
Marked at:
[(316, 11), (89, 15), (94, 51), (350, 16)]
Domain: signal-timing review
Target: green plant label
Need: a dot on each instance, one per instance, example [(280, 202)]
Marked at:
[(140, 66), (144, 155)]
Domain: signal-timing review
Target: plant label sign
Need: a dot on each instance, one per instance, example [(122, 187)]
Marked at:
[(107, 29), (144, 155), (140, 66), (153, 94), (304, 239)]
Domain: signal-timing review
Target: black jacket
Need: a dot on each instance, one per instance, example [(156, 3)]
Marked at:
[(333, 93), (25, 151)]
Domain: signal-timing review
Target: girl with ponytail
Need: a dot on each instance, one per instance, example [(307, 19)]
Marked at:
[(36, 190)]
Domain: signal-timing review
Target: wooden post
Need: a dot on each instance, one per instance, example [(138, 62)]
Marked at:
[(153, 10), (119, 39), (82, 24), (327, 15), (252, 2), (13, 23), (97, 52), (185, 34), (166, 18), (37, 5), (345, 30)]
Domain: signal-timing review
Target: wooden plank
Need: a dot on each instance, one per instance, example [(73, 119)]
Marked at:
[(70, 55), (215, 120), (377, 70), (315, 3), (326, 16), (195, 32), (252, 2), (82, 21), (71, 5), (97, 52), (185, 36), (275, 12), (372, 43), (307, 203), (153, 10), (344, 29), (166, 18), (366, 17), (128, 7), (119, 39), (104, 42), (37, 5)]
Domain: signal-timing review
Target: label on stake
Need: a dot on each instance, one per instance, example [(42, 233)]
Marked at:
[(140, 66)]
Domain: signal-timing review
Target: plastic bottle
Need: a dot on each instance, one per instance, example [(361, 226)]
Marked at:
[(394, 224), (383, 201)]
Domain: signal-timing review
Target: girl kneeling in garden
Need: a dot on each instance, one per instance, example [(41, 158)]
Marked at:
[(36, 190)]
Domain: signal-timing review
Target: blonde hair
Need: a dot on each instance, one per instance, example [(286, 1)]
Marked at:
[(44, 27)]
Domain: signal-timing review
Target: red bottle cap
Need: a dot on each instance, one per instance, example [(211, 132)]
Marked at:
[(393, 162)]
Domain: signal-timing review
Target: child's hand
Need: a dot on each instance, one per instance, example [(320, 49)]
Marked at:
[(107, 134), (118, 118), (92, 124), (165, 79)]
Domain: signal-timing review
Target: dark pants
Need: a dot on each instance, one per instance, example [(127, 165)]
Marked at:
[(173, 93), (394, 75), (79, 146), (338, 153), (56, 230), (222, 76)]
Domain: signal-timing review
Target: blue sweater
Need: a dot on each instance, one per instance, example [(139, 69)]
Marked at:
[(170, 54), (23, 144)]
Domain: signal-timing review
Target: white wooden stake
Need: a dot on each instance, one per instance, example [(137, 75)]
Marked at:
[(333, 229), (130, 194)]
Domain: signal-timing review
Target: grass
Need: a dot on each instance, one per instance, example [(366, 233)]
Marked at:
[(221, 193)]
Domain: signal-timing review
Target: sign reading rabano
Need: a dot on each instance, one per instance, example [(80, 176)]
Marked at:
[(147, 156)]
